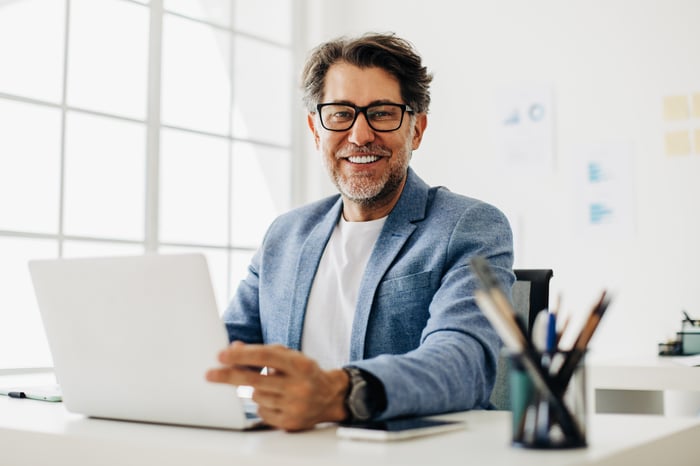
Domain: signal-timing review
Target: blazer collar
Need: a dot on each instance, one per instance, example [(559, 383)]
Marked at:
[(413, 202)]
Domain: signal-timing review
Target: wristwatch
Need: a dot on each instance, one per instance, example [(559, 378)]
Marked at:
[(357, 399)]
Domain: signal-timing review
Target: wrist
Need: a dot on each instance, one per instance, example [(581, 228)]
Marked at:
[(337, 411)]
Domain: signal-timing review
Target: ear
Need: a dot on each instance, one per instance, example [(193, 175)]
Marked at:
[(418, 129), (311, 121)]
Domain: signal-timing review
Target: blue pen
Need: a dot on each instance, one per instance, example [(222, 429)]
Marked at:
[(551, 345), (543, 417)]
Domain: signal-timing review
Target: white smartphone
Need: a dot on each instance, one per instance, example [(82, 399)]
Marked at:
[(397, 429), (42, 392)]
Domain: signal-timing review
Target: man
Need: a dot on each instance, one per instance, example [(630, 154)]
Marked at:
[(361, 305)]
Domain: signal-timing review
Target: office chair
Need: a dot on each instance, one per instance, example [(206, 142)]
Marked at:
[(530, 295)]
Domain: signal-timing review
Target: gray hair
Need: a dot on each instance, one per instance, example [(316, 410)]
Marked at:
[(393, 54)]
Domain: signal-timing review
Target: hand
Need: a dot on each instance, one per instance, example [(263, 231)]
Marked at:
[(296, 393)]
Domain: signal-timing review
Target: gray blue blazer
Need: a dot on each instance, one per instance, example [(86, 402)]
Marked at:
[(417, 327)]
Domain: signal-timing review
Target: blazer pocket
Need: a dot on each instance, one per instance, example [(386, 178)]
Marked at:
[(405, 284)]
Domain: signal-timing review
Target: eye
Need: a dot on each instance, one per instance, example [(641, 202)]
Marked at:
[(380, 115), (341, 115), (338, 113), (383, 113)]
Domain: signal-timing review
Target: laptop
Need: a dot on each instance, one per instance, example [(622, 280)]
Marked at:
[(132, 338)]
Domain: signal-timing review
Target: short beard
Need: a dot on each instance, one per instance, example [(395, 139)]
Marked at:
[(367, 196)]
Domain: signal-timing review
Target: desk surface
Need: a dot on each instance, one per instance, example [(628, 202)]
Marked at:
[(642, 373), (32, 431)]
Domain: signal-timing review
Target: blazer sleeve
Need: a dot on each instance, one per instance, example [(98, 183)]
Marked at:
[(242, 316), (454, 367)]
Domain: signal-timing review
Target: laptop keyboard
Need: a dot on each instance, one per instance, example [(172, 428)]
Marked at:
[(251, 408)]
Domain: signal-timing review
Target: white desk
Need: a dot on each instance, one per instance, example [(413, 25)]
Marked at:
[(671, 385), (36, 432), (643, 373)]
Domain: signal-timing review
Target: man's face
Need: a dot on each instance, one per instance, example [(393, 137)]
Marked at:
[(368, 167)]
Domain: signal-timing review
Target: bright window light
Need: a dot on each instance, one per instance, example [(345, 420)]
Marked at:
[(116, 139), (31, 48), (29, 167), (104, 177)]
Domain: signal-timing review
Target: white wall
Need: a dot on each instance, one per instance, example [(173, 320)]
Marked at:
[(610, 63)]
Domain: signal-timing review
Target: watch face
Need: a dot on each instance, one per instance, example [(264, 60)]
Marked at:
[(357, 397)]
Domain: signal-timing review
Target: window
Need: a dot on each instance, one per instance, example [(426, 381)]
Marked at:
[(133, 126)]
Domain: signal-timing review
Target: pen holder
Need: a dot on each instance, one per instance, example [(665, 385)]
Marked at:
[(549, 420)]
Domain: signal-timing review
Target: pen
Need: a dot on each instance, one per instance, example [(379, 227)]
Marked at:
[(543, 417), (551, 345), (581, 343), (592, 322)]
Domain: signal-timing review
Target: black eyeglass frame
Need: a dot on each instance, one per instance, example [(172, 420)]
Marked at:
[(404, 109)]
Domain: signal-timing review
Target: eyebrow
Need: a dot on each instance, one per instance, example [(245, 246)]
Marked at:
[(374, 102)]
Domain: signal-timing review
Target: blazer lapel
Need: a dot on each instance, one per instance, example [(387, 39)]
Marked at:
[(398, 228), (309, 258)]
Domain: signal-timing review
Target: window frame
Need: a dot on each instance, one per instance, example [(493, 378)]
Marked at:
[(153, 125)]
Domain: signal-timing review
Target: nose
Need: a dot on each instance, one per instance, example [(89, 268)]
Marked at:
[(360, 133)]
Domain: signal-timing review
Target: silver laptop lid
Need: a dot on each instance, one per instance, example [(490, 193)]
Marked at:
[(132, 337)]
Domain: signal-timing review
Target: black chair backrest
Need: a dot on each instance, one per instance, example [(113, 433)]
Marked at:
[(530, 295)]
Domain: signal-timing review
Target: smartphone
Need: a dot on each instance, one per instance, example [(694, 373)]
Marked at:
[(397, 429), (42, 393)]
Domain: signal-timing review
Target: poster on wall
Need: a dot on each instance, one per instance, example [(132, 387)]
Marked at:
[(603, 187), (681, 114), (522, 128)]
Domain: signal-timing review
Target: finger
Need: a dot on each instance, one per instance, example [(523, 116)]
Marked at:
[(235, 376), (231, 351), (242, 354), (238, 376), (275, 356)]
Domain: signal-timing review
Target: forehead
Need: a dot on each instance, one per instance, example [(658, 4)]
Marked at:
[(361, 86)]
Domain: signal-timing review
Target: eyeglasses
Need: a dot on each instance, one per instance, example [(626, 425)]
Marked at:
[(380, 117)]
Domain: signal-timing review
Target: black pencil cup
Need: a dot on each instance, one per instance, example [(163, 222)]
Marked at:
[(549, 418)]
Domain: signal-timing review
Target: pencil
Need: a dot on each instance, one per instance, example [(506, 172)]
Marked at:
[(579, 349)]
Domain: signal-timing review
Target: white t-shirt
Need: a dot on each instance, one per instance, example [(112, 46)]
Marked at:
[(331, 307)]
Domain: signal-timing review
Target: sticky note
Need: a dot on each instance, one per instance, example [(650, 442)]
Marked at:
[(676, 107), (696, 105), (696, 141), (678, 142)]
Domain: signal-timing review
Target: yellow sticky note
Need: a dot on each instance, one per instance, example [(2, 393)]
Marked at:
[(696, 105), (676, 107), (697, 141), (678, 143)]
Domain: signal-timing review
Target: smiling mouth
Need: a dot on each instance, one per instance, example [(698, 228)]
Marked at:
[(361, 159)]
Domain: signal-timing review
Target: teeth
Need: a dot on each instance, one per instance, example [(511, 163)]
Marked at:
[(363, 158)]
